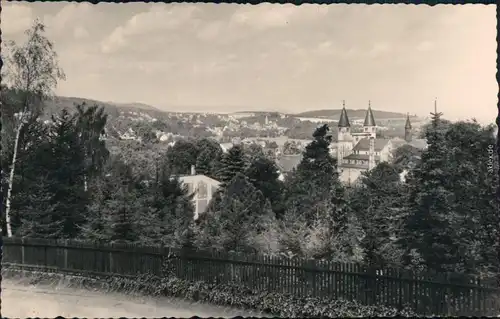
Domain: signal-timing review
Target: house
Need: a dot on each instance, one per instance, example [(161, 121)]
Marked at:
[(203, 188)]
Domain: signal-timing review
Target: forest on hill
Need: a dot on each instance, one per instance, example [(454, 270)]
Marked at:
[(358, 113)]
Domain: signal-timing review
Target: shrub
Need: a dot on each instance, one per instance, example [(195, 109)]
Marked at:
[(277, 304)]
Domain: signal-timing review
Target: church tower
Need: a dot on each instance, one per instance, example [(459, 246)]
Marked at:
[(369, 125), (408, 128), (344, 135), (371, 154)]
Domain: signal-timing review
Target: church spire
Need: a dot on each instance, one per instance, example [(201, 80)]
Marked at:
[(344, 120), (408, 123), (408, 128), (369, 118)]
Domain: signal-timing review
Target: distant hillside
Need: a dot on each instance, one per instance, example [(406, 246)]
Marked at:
[(335, 114), (58, 103), (140, 106)]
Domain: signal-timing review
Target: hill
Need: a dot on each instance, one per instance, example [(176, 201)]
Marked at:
[(360, 113), (60, 102), (140, 106)]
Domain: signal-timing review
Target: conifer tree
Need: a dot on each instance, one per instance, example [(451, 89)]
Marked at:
[(61, 162), (378, 202), (427, 230), (316, 180), (204, 163), (231, 164), (240, 215), (263, 174)]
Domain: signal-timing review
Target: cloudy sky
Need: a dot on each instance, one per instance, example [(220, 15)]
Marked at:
[(231, 57)]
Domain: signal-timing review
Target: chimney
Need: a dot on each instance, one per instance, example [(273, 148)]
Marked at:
[(371, 154), (193, 170)]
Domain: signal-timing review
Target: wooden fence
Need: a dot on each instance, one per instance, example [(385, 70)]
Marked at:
[(428, 294)]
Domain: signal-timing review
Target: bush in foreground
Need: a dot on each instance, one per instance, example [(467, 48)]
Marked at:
[(278, 304)]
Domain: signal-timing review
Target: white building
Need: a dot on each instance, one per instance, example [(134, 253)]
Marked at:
[(203, 188)]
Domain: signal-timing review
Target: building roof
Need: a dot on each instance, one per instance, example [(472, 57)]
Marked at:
[(420, 143), (364, 144), (286, 163), (363, 157), (198, 177), (369, 118), (344, 119)]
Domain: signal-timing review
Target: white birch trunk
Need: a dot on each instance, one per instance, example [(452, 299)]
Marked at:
[(11, 181), (85, 187)]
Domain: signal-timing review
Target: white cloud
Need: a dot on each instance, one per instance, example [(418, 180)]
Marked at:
[(211, 30), (158, 18), (379, 49), (424, 46), (16, 18), (69, 14), (80, 32), (264, 16)]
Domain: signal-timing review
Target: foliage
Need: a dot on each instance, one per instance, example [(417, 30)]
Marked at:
[(378, 201), (52, 200), (31, 73), (231, 164), (238, 216), (233, 295), (209, 154), (180, 157), (263, 174)]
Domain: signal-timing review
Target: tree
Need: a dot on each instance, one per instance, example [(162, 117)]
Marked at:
[(263, 174), (204, 163), (60, 167), (209, 153), (252, 153), (169, 212), (241, 216), (378, 202), (114, 207), (231, 164), (442, 127), (315, 196), (473, 185), (181, 157), (427, 229), (406, 156), (315, 179), (33, 71), (90, 123)]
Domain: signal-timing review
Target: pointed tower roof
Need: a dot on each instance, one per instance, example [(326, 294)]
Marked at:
[(369, 118), (344, 120), (408, 124)]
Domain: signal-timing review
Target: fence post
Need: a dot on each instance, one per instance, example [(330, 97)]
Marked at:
[(22, 251), (111, 262), (65, 255)]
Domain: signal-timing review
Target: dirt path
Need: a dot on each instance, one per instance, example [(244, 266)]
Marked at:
[(24, 301)]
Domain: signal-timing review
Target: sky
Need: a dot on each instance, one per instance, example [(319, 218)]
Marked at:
[(230, 57)]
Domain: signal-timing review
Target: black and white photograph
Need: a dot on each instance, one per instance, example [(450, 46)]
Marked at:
[(268, 160)]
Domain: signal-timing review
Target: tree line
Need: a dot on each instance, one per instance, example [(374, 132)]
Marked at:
[(60, 181)]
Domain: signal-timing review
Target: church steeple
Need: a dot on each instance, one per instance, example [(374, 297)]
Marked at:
[(408, 128), (369, 118), (369, 126), (344, 119)]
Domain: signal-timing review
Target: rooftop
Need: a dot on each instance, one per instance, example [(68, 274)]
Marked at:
[(364, 144)]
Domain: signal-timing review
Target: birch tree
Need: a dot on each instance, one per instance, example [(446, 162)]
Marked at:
[(32, 70)]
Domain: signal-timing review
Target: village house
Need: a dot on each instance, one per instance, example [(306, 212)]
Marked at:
[(203, 188)]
